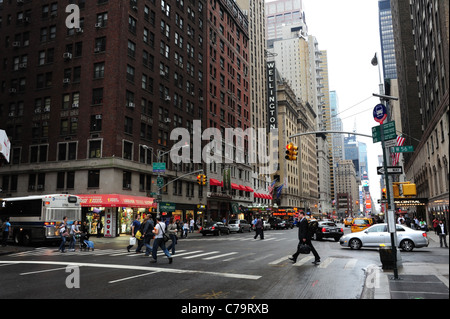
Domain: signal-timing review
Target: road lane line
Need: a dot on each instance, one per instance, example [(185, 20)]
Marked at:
[(40, 271), (131, 267), (132, 277), (188, 253)]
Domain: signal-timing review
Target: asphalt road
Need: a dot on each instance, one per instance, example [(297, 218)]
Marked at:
[(232, 266)]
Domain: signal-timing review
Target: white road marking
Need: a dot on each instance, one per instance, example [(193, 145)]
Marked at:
[(132, 277), (201, 255), (326, 262), (131, 267), (350, 264), (303, 261), (219, 256), (279, 260), (40, 271)]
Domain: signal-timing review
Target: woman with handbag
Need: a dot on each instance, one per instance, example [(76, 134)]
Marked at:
[(160, 240)]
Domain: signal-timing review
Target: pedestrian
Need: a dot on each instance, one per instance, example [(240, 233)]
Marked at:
[(159, 231), (147, 234), (99, 227), (134, 228), (423, 225), (191, 225), (6, 227), (172, 232), (259, 228), (185, 229), (63, 233), (442, 232), (74, 231), (435, 225), (304, 237)]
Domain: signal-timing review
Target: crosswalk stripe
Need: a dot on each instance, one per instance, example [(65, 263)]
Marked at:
[(187, 253), (350, 264), (219, 256), (201, 255), (326, 262), (278, 260), (303, 261)]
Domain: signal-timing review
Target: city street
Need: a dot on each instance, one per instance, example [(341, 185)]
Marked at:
[(232, 266)]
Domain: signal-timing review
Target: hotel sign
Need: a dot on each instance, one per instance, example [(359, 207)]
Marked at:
[(271, 96)]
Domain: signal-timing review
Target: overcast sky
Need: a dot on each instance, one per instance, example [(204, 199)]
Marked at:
[(348, 31)]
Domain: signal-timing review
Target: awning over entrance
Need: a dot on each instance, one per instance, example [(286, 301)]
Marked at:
[(215, 182), (115, 200)]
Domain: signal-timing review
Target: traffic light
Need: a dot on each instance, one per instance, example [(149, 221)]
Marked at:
[(291, 152), (203, 179), (199, 179), (383, 193), (396, 190)]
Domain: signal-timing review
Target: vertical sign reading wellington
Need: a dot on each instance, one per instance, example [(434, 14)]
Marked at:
[(271, 96)]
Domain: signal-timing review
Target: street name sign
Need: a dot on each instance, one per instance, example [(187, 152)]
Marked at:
[(388, 130), (390, 170), (159, 167), (402, 149)]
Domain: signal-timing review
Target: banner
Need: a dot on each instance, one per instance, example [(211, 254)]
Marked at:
[(5, 145)]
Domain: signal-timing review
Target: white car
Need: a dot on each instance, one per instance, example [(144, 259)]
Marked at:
[(375, 235)]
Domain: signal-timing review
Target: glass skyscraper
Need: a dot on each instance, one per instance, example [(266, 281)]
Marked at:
[(387, 39)]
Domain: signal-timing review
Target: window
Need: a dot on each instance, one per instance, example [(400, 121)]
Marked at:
[(102, 19), (67, 151), (130, 73), (95, 149), (132, 24), (100, 44), (97, 96), (126, 180), (99, 70), (127, 150), (94, 178), (128, 125), (131, 49), (96, 123)]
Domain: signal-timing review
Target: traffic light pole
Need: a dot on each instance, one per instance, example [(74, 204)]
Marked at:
[(390, 208)]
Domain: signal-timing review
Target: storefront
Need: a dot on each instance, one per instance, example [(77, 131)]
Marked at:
[(115, 212)]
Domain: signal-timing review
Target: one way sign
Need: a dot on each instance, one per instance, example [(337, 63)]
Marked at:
[(390, 170)]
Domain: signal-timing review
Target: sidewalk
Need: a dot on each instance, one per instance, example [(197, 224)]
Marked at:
[(415, 280)]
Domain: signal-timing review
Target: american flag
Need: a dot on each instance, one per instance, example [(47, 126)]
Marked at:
[(396, 156), (270, 187)]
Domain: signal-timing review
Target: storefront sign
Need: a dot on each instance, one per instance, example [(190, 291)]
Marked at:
[(108, 231), (218, 195), (271, 96), (167, 207)]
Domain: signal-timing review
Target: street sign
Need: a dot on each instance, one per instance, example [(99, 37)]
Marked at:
[(166, 207), (388, 130), (390, 170), (159, 167), (379, 113), (402, 149)]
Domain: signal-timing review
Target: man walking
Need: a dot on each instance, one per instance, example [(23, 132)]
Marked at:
[(441, 230), (304, 237), (159, 231), (259, 228)]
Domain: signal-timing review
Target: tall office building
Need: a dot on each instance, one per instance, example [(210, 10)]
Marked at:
[(421, 35), (387, 39)]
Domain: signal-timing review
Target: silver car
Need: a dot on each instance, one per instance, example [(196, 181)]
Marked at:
[(375, 235), (239, 225)]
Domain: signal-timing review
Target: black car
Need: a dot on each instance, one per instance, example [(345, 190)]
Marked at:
[(277, 223), (215, 228), (327, 229)]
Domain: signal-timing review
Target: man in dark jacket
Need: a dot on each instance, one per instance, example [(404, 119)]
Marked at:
[(304, 237), (259, 228)]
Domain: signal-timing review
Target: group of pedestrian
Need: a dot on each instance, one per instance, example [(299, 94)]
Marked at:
[(146, 231), (70, 232)]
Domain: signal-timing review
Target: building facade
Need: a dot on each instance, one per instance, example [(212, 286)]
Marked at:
[(89, 109)]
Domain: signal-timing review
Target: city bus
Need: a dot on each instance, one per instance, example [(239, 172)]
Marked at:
[(36, 218)]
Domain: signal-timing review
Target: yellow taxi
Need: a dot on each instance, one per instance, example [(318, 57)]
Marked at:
[(348, 221), (359, 224)]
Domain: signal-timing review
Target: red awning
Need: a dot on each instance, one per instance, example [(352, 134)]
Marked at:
[(115, 200), (235, 186), (215, 182), (256, 195), (248, 189)]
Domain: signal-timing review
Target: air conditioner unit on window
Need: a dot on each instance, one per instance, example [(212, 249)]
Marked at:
[(167, 98), (167, 120), (99, 25), (67, 55), (66, 80), (130, 104)]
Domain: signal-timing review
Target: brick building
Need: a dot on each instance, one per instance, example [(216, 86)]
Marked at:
[(87, 109)]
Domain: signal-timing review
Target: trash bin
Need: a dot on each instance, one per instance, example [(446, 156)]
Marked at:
[(387, 257)]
